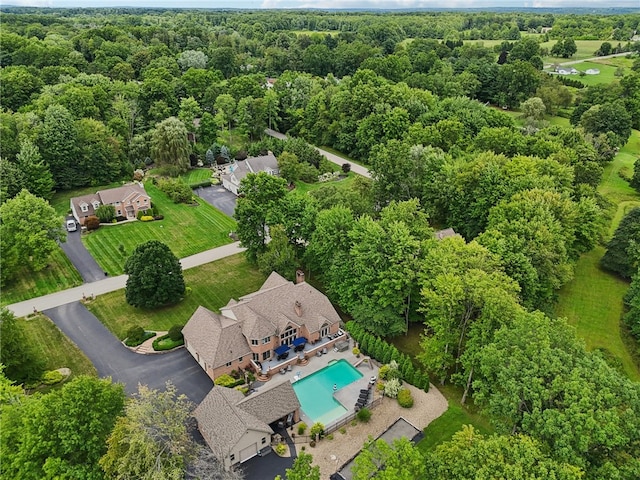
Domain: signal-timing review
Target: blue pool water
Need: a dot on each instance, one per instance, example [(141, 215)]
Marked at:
[(315, 392)]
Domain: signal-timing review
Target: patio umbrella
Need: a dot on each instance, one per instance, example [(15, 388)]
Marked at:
[(282, 349)]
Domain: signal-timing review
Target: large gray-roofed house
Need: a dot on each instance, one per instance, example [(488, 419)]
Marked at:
[(241, 168), (248, 330)]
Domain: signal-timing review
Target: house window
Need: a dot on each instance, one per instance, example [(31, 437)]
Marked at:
[(117, 203), (266, 340), (266, 355), (145, 200), (84, 207), (228, 364), (96, 205), (324, 331), (256, 357), (288, 336), (264, 440), (254, 342), (232, 457), (119, 212), (240, 359)]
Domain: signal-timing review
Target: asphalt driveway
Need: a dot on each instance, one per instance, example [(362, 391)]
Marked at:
[(219, 197), (80, 257), (112, 359)]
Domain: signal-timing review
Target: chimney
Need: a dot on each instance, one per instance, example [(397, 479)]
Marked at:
[(299, 276), (298, 308)]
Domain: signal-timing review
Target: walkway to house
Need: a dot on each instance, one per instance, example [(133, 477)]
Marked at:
[(111, 284), (332, 157)]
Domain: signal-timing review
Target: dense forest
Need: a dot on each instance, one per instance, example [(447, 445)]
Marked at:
[(89, 96)]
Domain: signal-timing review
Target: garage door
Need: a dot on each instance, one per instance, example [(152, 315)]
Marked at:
[(247, 453)]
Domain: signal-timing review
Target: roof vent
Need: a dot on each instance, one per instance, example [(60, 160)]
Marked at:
[(298, 308)]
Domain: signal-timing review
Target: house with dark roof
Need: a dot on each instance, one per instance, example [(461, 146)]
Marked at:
[(127, 200), (236, 427), (446, 233), (241, 168), (249, 330)]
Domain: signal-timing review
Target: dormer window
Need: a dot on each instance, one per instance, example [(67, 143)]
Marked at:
[(96, 205), (84, 207)]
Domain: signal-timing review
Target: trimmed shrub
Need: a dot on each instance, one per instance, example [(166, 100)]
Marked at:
[(51, 377), (302, 427), (175, 333), (405, 400), (343, 430), (158, 217), (346, 167), (164, 343), (146, 218), (356, 351), (317, 429), (204, 183), (92, 222), (177, 190), (135, 333), (364, 415), (280, 449), (228, 381)]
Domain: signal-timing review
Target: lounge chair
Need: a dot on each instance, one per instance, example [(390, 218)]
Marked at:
[(318, 353), (282, 371), (365, 390), (324, 350), (289, 368)]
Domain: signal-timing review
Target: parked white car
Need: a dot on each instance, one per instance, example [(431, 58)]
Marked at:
[(71, 226)]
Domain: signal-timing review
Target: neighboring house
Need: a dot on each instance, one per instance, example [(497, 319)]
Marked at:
[(446, 233), (236, 427), (239, 169), (247, 331), (127, 200)]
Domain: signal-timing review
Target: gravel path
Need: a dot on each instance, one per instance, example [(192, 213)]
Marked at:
[(426, 408)]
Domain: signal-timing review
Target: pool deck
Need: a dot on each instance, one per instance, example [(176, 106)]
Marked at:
[(347, 395)]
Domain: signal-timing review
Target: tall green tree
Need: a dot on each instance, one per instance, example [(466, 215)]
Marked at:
[(379, 460), (470, 455), (259, 194), (623, 255), (36, 173), (170, 146), (59, 147), (151, 440), (61, 434), (302, 469), (279, 256), (21, 362), (155, 276), (29, 233)]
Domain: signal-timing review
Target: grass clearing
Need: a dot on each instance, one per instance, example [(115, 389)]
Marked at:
[(586, 49), (193, 177), (212, 286), (344, 183), (60, 274), (54, 347), (185, 229), (592, 302)]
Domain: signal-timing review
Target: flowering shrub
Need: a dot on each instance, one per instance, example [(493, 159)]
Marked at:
[(329, 176), (392, 388)]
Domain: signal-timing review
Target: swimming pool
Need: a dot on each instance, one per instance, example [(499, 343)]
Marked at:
[(315, 392)]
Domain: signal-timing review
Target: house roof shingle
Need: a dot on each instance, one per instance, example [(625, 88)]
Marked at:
[(216, 338), (122, 194), (272, 404), (222, 422), (446, 233), (242, 168)]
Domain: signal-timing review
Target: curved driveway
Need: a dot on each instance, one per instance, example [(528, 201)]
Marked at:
[(112, 359), (80, 257)]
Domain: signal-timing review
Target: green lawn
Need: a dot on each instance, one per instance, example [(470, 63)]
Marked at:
[(212, 286), (586, 49), (54, 347), (606, 75), (186, 229), (58, 275), (443, 428), (308, 187), (192, 177), (592, 302)]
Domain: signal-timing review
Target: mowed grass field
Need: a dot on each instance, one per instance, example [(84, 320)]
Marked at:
[(186, 229), (212, 286), (192, 177), (54, 347), (344, 183), (58, 275), (592, 301)]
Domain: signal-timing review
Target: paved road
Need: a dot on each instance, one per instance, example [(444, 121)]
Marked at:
[(332, 157), (114, 360), (111, 284), (574, 62), (260, 468), (219, 197), (80, 257)]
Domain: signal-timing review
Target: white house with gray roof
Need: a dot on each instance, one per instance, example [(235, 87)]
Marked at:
[(247, 331), (236, 427), (241, 168)]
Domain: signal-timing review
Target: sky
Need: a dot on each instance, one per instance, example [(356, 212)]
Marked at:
[(370, 4)]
